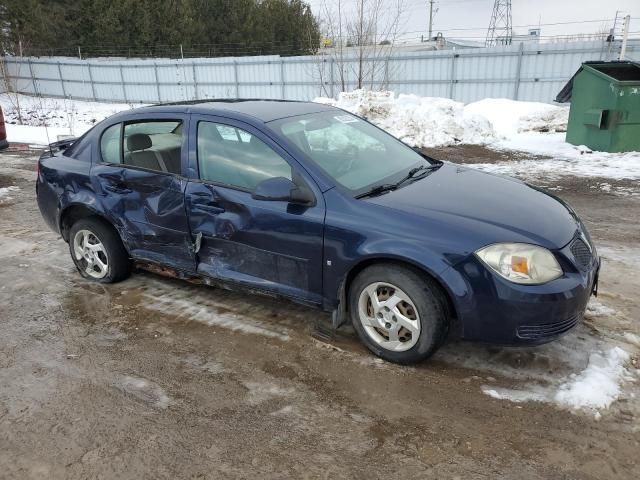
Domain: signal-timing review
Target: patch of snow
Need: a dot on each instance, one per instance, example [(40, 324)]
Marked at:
[(597, 309), (596, 387), (632, 338), (145, 390), (5, 191), (61, 117), (11, 246), (259, 392), (566, 159), (628, 256), (202, 308)]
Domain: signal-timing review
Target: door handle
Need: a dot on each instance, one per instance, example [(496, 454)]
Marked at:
[(117, 188), (210, 208)]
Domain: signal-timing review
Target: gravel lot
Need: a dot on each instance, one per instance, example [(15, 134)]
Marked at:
[(157, 378)]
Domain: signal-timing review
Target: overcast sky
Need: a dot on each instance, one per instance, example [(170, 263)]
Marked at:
[(475, 14)]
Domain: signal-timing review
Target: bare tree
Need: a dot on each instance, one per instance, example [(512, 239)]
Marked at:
[(360, 42)]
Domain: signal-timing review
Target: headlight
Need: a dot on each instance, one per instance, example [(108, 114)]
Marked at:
[(521, 262)]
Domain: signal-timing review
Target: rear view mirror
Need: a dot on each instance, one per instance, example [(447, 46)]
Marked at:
[(281, 189)]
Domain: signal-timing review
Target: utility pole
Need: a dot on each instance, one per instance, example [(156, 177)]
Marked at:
[(625, 35), (431, 2), (500, 27), (612, 35)]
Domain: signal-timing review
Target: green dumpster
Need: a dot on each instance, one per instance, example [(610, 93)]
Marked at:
[(605, 106)]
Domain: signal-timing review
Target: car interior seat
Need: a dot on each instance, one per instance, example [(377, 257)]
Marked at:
[(139, 155)]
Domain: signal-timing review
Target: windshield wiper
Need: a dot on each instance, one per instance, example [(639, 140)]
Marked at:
[(413, 174)]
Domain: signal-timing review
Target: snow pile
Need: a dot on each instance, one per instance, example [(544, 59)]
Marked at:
[(531, 127), (418, 121), (594, 388), (509, 117), (60, 116)]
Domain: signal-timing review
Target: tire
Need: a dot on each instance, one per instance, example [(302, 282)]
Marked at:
[(105, 250), (420, 319)]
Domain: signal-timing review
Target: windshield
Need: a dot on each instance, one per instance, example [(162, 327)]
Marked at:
[(353, 152)]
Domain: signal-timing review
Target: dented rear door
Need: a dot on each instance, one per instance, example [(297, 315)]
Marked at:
[(148, 205)]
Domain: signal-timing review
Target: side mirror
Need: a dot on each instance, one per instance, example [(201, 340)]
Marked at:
[(280, 189)]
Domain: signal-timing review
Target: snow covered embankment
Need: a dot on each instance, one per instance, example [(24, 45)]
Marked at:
[(59, 116)]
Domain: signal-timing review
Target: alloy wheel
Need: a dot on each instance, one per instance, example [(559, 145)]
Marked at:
[(389, 316), (91, 254)]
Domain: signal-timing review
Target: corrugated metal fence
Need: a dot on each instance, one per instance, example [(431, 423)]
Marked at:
[(526, 71)]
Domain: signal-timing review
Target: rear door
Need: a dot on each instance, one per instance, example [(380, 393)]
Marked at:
[(270, 245), (139, 174)]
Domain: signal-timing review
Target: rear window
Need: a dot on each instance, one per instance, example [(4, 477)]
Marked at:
[(80, 149), (110, 144)]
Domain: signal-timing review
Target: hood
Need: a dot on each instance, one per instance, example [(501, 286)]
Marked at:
[(492, 208)]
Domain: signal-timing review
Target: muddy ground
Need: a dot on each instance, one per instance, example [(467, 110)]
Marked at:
[(156, 378)]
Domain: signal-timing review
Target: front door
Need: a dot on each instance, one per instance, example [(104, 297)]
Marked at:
[(139, 172), (269, 245)]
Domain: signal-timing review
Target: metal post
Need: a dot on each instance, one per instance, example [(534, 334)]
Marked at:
[(124, 87), (282, 93), (430, 20), (386, 73), (79, 54), (64, 91), (235, 77), (625, 36), (331, 77), (93, 87), (33, 78), (452, 75), (612, 35), (518, 70), (195, 80), (155, 70)]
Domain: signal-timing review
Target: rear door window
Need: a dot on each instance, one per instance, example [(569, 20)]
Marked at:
[(153, 145)]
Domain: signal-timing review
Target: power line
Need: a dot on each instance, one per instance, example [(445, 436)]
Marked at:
[(210, 50)]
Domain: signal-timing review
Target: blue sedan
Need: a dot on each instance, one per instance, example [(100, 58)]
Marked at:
[(309, 202)]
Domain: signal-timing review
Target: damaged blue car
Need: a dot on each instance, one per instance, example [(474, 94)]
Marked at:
[(309, 202)]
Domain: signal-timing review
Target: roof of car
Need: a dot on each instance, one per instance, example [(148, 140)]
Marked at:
[(262, 109)]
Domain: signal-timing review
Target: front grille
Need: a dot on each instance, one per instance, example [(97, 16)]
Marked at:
[(546, 330), (581, 253)]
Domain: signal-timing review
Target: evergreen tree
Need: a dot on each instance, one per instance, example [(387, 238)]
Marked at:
[(158, 27)]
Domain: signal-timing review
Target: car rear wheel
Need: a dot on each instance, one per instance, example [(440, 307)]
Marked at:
[(399, 314), (97, 251)]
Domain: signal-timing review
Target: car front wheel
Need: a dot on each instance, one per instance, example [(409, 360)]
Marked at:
[(97, 251), (399, 314)]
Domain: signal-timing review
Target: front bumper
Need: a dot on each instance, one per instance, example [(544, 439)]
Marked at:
[(493, 310)]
